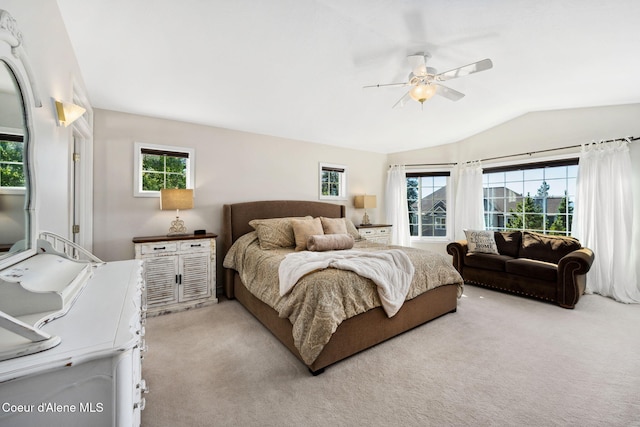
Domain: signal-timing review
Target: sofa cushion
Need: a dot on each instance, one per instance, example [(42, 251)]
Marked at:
[(546, 248), (533, 268), (494, 262), (508, 242), (481, 241)]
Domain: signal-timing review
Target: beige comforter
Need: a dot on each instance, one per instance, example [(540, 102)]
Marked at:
[(320, 301)]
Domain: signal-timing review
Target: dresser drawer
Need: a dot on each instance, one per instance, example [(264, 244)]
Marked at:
[(158, 248), (376, 233), (367, 232), (195, 245)]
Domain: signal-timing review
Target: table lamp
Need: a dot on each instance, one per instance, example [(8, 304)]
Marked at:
[(176, 199), (365, 202)]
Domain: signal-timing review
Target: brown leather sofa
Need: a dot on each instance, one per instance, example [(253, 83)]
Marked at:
[(551, 268)]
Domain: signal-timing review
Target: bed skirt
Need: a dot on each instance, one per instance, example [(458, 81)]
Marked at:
[(357, 333)]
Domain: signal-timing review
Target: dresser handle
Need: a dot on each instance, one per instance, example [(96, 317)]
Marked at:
[(141, 404), (143, 386), (160, 248), (196, 246)]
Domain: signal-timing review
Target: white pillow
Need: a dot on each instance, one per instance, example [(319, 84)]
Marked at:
[(481, 241)]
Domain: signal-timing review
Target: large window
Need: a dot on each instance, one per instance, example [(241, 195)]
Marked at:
[(11, 162), (427, 202), (161, 167), (536, 197)]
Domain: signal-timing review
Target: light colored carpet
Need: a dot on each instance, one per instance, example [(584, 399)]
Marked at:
[(501, 360)]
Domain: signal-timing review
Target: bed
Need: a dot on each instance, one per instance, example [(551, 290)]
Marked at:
[(364, 325)]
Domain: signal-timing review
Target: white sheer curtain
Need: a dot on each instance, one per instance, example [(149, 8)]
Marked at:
[(396, 205), (603, 219), (469, 203)]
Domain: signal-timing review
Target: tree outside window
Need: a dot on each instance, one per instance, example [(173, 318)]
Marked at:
[(159, 166), (163, 171), (11, 162), (549, 210)]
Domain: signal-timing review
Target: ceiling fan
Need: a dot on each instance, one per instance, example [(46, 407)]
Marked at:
[(425, 81)]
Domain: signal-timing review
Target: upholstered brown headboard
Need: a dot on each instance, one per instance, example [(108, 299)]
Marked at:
[(236, 219)]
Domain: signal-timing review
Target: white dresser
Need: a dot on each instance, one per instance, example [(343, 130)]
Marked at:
[(93, 377), (379, 233), (179, 271)]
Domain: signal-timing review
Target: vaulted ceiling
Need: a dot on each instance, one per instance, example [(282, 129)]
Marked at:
[(296, 68)]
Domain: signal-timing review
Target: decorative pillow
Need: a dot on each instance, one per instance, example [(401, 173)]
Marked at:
[(275, 233), (352, 230), (303, 228), (329, 242), (481, 241), (333, 225), (508, 242), (547, 248)]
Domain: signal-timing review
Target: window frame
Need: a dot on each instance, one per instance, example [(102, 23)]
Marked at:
[(187, 152), (342, 186), (530, 164), (448, 218)]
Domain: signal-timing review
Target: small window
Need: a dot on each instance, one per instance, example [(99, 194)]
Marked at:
[(12, 162), (160, 166), (333, 181)]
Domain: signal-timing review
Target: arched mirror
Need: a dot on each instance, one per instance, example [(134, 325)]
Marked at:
[(14, 173), (17, 228)]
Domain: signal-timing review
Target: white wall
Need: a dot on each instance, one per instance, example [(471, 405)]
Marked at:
[(54, 65), (539, 131), (231, 166)]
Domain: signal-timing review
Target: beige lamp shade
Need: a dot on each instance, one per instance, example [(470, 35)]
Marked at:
[(176, 199), (365, 202)]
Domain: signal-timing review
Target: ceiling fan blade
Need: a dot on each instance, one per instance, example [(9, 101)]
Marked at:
[(465, 70), (386, 85), (449, 93), (405, 98), (418, 63)]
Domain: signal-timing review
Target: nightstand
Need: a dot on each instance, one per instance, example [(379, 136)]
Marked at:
[(379, 233), (179, 271)]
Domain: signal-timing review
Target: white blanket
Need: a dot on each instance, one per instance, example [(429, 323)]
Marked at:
[(391, 270)]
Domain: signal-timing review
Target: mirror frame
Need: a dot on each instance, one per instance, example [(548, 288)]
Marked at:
[(13, 55)]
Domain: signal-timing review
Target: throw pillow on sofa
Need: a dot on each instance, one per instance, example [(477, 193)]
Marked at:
[(547, 248), (481, 241)]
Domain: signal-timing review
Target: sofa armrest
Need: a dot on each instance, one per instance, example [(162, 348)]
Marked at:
[(458, 250), (572, 280)]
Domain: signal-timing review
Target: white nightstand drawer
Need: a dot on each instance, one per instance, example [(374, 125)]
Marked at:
[(376, 233), (366, 232), (158, 248), (195, 245)]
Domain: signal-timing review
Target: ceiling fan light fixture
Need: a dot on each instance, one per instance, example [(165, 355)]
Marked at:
[(422, 92)]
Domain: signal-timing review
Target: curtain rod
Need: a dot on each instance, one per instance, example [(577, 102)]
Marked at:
[(529, 153)]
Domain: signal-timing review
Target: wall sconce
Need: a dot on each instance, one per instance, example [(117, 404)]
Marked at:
[(365, 202), (176, 199), (68, 113)]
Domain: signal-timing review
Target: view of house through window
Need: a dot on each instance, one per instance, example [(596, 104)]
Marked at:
[(11, 161), (535, 197), (427, 201)]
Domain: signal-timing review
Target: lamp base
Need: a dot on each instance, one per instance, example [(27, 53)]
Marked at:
[(177, 228), (365, 219)]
